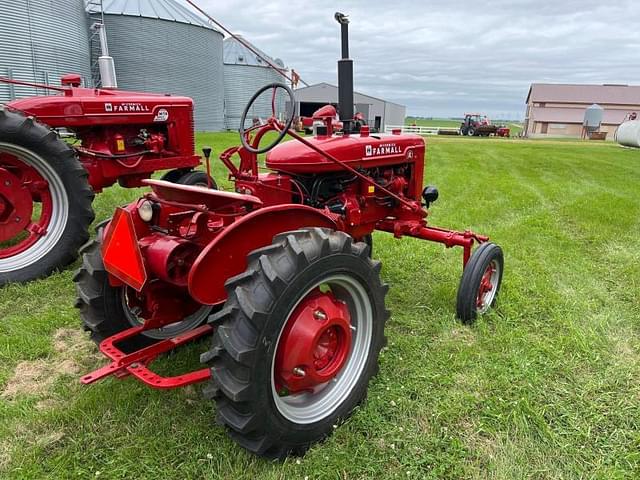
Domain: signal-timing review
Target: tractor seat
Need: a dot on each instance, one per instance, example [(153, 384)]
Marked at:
[(190, 194)]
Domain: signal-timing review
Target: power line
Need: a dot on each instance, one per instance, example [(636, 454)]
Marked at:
[(241, 40)]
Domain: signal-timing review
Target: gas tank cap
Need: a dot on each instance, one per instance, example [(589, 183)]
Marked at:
[(71, 80)]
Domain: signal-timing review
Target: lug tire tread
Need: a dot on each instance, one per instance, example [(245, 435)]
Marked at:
[(238, 341), (29, 133)]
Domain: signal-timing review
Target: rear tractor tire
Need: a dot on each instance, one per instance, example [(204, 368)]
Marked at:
[(297, 341), (198, 179), (186, 176), (174, 175), (105, 310), (480, 282), (45, 200)]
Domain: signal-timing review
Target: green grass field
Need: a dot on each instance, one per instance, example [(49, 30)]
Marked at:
[(546, 386)]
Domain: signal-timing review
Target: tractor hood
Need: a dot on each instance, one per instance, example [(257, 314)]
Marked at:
[(357, 151), (83, 107)]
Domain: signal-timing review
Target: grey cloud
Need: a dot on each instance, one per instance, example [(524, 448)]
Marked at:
[(445, 58)]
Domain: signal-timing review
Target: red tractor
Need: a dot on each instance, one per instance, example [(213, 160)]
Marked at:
[(279, 271), (47, 185), (479, 125)]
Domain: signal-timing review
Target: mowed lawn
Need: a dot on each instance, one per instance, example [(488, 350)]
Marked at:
[(546, 386)]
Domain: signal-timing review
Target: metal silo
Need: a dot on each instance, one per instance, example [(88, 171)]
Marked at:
[(593, 117), (162, 47), (41, 41), (244, 74)]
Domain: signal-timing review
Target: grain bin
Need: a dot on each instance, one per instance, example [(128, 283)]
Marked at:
[(161, 46), (41, 41), (244, 74), (593, 118), (628, 133)]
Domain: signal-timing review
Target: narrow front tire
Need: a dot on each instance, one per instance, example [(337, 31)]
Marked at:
[(480, 282)]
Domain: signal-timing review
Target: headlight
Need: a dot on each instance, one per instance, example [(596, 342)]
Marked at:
[(145, 210)]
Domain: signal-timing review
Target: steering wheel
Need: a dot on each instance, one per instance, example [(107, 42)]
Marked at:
[(272, 123)]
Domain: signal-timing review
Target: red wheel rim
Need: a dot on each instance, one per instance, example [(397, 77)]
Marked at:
[(487, 288), (315, 343), (22, 187), (318, 361)]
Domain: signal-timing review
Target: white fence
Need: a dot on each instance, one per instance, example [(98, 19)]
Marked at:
[(422, 130)]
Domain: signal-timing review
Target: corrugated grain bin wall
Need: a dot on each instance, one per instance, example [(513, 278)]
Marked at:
[(161, 47), (40, 41), (245, 74)]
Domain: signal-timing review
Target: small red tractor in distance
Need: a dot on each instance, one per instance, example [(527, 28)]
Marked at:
[(47, 185), (479, 125), (279, 271)]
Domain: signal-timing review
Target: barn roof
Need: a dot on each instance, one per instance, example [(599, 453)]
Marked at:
[(587, 94)]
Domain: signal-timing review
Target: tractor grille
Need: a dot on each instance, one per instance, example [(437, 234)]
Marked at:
[(192, 138)]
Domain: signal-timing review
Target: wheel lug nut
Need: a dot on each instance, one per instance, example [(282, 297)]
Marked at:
[(299, 372), (319, 315)]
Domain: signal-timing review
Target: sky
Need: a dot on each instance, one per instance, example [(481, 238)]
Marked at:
[(445, 58)]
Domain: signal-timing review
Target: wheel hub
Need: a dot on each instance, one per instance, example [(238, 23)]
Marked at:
[(16, 205), (315, 343), (486, 286), (32, 207)]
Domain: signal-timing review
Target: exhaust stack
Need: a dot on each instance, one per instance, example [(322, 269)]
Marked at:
[(345, 76), (105, 62)]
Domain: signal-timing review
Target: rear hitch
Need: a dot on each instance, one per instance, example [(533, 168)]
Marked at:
[(137, 363)]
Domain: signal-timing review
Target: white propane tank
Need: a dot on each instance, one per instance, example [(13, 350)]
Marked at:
[(628, 133)]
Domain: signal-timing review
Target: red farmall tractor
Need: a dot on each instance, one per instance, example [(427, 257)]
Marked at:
[(47, 185), (279, 271)]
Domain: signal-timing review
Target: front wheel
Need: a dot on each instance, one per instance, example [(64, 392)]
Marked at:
[(298, 341), (480, 282)]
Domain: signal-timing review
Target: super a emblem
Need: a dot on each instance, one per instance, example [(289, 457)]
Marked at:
[(161, 116)]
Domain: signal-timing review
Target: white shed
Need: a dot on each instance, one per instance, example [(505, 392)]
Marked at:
[(377, 112)]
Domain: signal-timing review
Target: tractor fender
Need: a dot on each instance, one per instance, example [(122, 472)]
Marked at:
[(226, 255)]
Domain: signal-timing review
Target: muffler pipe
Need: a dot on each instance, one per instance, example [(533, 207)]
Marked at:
[(345, 76), (105, 62)]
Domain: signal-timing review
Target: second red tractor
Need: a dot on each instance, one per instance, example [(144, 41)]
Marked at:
[(47, 184)]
